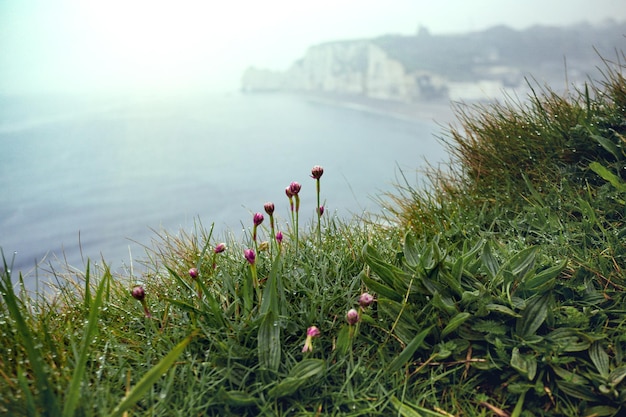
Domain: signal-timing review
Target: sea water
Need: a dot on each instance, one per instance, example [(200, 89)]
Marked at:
[(98, 179)]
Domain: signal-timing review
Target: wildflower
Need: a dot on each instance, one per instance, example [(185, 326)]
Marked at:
[(290, 197), (139, 294), (193, 273), (352, 317), (219, 248), (366, 300), (311, 332), (317, 172), (249, 255), (257, 219), (279, 237), (269, 208), (294, 188)]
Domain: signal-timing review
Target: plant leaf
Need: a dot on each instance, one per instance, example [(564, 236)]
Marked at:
[(269, 342), (404, 356), (150, 378), (533, 316), (600, 359), (455, 322), (74, 389), (489, 261), (48, 400), (298, 375)]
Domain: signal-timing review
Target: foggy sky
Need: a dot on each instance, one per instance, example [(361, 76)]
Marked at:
[(204, 45)]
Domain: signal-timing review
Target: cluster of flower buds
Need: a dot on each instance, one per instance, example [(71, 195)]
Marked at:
[(353, 316)]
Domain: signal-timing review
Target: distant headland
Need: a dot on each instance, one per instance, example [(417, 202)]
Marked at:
[(442, 68)]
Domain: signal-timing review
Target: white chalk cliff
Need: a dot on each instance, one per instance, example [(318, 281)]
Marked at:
[(350, 67)]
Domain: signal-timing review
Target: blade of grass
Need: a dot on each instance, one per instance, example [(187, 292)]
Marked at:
[(48, 401), (74, 389), (137, 392)]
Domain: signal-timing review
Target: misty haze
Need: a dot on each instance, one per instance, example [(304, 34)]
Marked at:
[(114, 125)]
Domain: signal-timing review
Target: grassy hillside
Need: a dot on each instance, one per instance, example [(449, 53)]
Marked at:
[(497, 291)]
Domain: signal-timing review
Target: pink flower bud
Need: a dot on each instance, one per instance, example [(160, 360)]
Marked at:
[(320, 210), (288, 193), (193, 273), (257, 219), (294, 187), (366, 300), (317, 172), (352, 317), (138, 293), (279, 237), (269, 208), (249, 255), (220, 247)]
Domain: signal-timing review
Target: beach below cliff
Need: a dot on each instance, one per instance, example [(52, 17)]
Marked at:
[(438, 111)]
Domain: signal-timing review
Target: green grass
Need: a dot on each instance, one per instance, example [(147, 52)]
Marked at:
[(499, 290)]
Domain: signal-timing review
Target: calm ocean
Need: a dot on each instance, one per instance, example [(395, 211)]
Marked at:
[(101, 176)]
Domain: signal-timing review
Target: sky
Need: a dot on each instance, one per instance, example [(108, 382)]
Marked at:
[(82, 46)]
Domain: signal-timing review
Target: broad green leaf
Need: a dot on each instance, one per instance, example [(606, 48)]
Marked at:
[(525, 364), (391, 275), (146, 382), (522, 262), (450, 281), (344, 341), (236, 398), (533, 316), (544, 279), (608, 145), (489, 261), (271, 299), (617, 375), (607, 175), (455, 322), (569, 377), (445, 304), (407, 410), (405, 324), (411, 250), (403, 409), (298, 375), (499, 308), (579, 391), (380, 289), (404, 356), (269, 342), (568, 340), (601, 411), (600, 359)]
